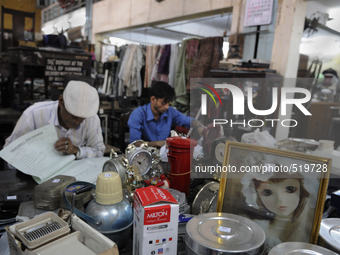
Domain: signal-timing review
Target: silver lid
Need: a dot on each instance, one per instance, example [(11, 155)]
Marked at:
[(330, 232), (179, 196), (206, 199), (298, 248), (225, 233)]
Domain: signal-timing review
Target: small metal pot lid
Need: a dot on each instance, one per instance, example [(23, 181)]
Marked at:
[(179, 196), (225, 233), (298, 248), (204, 198), (330, 232)]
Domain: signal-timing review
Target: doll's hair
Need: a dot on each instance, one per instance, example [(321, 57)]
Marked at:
[(280, 177)]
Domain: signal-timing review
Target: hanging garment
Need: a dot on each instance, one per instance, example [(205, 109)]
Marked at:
[(190, 57), (192, 48), (121, 57), (172, 64), (186, 59), (134, 81), (163, 66), (208, 57), (147, 58), (122, 71), (129, 75), (150, 60), (180, 81), (155, 75)]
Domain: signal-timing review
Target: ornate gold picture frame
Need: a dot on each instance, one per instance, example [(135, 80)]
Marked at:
[(283, 191)]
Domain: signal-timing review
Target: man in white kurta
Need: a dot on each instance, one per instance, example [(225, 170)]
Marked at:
[(74, 117)]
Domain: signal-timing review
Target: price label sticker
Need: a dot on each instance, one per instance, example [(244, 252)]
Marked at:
[(56, 181), (224, 229), (107, 175), (11, 197)]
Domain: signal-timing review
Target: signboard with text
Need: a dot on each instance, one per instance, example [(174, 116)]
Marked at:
[(57, 69)]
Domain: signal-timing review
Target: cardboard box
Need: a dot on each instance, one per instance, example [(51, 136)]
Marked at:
[(155, 222), (89, 238)]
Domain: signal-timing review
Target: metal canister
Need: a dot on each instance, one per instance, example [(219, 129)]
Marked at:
[(206, 199), (330, 234), (223, 234), (292, 248)]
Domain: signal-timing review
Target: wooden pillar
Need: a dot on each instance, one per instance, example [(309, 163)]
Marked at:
[(285, 54)]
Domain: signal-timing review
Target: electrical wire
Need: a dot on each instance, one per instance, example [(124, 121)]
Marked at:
[(218, 31)]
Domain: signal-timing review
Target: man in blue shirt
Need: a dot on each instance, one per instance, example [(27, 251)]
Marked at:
[(152, 122)]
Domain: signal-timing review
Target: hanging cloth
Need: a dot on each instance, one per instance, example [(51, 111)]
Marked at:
[(163, 67), (134, 83), (155, 75), (128, 69), (150, 60), (190, 57), (122, 71), (172, 64), (121, 57), (208, 57), (180, 81), (130, 77)]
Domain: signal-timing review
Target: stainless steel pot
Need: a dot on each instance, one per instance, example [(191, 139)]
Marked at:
[(299, 248), (330, 234), (206, 199), (223, 234)]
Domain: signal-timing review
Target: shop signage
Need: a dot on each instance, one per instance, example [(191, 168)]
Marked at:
[(56, 69)]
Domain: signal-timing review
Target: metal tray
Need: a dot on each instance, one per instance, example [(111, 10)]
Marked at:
[(297, 144)]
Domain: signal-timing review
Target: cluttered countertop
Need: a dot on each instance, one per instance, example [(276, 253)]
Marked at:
[(22, 196)]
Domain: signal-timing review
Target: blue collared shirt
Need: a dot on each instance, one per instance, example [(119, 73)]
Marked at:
[(143, 125)]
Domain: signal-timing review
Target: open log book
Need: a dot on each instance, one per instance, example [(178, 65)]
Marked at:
[(34, 154)]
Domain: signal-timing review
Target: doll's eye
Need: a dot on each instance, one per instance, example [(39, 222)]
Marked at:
[(291, 189), (267, 192)]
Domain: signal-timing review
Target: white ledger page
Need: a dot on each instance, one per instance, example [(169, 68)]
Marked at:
[(86, 170), (34, 153)]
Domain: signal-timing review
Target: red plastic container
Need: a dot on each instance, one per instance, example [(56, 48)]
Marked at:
[(180, 158)]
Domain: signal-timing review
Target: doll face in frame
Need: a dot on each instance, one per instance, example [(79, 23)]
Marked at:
[(281, 198)]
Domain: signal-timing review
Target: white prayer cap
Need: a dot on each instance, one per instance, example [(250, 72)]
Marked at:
[(81, 99)]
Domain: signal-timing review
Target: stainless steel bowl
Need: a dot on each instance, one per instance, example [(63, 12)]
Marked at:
[(330, 234), (299, 248)]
